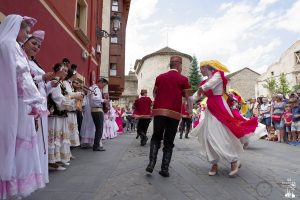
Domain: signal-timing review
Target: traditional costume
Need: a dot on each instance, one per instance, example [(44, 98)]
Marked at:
[(186, 120), (42, 130), (219, 132), (169, 89), (88, 127), (59, 136), (72, 115), (20, 170), (119, 120), (96, 102), (142, 112)]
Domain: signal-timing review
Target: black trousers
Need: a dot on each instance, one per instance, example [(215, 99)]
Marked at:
[(98, 119), (79, 119), (142, 126), (165, 128), (185, 124)]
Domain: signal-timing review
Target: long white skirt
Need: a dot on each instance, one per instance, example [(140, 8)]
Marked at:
[(216, 140), (29, 175), (88, 129), (73, 129), (58, 140)]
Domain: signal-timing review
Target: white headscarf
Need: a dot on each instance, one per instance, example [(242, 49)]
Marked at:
[(9, 31)]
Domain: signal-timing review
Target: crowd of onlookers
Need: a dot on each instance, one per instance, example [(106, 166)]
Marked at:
[(280, 114)]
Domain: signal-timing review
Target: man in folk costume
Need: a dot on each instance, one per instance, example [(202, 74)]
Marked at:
[(142, 112), (97, 101), (168, 91), (186, 120)]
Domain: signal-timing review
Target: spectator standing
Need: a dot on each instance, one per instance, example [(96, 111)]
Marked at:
[(277, 111), (265, 113)]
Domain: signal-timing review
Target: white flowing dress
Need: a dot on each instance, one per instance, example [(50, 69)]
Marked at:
[(216, 140), (88, 129), (42, 132), (72, 117)]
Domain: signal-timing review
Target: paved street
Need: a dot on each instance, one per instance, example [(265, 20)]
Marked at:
[(119, 174)]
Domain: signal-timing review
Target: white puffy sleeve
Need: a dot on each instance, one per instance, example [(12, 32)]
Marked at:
[(62, 102), (26, 87), (214, 81)]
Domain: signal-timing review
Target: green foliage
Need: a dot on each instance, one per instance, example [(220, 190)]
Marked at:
[(283, 86), (296, 87), (195, 77), (271, 85)]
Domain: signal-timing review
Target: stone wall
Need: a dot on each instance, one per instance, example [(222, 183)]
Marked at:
[(130, 91), (244, 82)]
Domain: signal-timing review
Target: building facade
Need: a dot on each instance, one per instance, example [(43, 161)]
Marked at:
[(117, 50), (289, 64), (244, 81), (73, 30), (130, 93), (150, 66)]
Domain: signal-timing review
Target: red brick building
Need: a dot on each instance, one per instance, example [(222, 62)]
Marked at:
[(71, 31)]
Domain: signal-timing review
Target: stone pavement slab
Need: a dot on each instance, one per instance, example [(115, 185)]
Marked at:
[(119, 174)]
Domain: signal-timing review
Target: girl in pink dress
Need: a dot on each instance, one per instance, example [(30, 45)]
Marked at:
[(119, 119)]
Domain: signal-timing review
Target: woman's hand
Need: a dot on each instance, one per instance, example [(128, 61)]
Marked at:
[(48, 76)]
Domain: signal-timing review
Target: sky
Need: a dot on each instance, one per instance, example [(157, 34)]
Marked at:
[(239, 33)]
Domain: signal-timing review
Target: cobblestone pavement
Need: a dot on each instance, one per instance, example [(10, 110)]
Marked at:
[(119, 174)]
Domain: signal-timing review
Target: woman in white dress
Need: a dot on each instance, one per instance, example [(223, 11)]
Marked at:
[(20, 171), (72, 116), (59, 103), (219, 132), (87, 131), (42, 80)]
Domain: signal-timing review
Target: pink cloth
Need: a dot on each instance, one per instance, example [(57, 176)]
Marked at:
[(239, 127), (39, 34), (119, 121)]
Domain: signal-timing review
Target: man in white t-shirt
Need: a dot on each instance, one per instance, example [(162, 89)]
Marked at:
[(265, 113)]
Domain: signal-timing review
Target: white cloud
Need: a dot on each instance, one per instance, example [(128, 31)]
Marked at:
[(290, 21), (238, 34), (142, 9), (263, 4)]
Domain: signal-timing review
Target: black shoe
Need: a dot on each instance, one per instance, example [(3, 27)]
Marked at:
[(98, 149), (144, 141), (154, 147), (137, 136), (166, 162), (164, 173), (186, 136)]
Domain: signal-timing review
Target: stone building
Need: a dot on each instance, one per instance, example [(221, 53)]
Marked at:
[(289, 64), (243, 81), (150, 66), (130, 91)]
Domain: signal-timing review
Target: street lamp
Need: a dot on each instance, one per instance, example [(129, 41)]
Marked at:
[(116, 23)]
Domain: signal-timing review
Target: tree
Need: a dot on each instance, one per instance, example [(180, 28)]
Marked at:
[(271, 85), (194, 77), (283, 87)]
